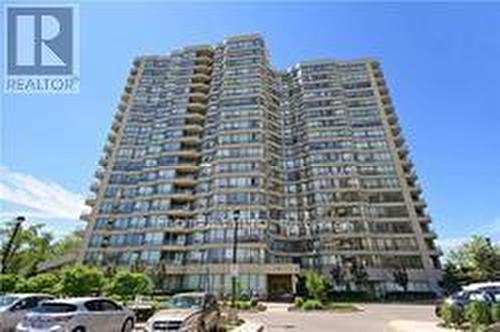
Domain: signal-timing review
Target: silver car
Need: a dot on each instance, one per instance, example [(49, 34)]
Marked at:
[(188, 312), (78, 315), (13, 307)]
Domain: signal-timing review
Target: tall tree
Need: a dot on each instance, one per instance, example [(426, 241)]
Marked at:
[(477, 260)]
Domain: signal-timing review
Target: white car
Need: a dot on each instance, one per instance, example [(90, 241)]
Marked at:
[(78, 315), (13, 307)]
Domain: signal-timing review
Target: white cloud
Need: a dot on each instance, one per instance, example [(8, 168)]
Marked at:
[(38, 198)]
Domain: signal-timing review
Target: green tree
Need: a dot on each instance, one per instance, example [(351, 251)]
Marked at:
[(9, 282), (477, 260), (81, 280), (70, 243), (126, 285), (452, 278), (317, 285), (41, 283), (30, 246)]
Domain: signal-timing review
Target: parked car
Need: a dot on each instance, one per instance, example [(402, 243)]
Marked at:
[(193, 312), (78, 315), (464, 297), (13, 307)]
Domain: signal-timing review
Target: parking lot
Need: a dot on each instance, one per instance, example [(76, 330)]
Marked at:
[(373, 318)]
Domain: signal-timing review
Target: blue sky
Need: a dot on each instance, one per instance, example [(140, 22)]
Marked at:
[(441, 62)]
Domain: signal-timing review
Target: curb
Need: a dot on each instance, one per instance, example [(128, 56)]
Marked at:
[(250, 327), (414, 326)]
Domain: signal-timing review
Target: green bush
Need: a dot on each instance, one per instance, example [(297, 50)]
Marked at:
[(41, 283), (495, 312), (298, 302), (126, 285), (452, 315), (253, 303), (317, 286), (243, 305), (312, 305), (9, 283), (81, 280), (478, 313)]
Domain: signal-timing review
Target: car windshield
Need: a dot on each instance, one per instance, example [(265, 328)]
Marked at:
[(183, 302), (54, 308), (7, 300)]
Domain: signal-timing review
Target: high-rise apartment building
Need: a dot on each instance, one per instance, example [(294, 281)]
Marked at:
[(312, 159)]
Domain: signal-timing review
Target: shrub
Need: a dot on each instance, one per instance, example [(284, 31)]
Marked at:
[(243, 305), (126, 285), (495, 312), (41, 283), (452, 315), (312, 305), (253, 303), (317, 286), (478, 313), (9, 283), (298, 302), (81, 281)]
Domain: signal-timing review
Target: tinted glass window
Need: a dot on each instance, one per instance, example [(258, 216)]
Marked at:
[(56, 308), (109, 306), (93, 306)]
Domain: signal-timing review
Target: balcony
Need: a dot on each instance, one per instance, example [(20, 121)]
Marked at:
[(99, 173), (386, 100), (200, 78), (197, 107), (195, 117), (115, 126), (191, 140), (200, 87), (112, 137), (202, 69), (108, 147), (402, 151), (192, 128), (90, 201), (183, 211), (392, 118), (94, 187), (185, 181), (191, 168), (85, 216), (203, 60), (416, 188), (122, 107), (125, 97), (197, 97), (103, 161), (182, 196), (399, 140), (430, 234)]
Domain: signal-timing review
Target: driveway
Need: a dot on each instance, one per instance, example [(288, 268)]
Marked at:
[(374, 318)]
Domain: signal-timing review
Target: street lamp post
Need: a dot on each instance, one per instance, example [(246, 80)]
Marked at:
[(8, 247), (236, 217)]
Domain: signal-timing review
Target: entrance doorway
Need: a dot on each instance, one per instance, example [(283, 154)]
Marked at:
[(280, 287)]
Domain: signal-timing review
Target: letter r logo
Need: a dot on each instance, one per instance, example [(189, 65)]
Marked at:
[(39, 40)]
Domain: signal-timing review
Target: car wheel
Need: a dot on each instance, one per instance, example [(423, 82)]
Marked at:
[(128, 325), (79, 329)]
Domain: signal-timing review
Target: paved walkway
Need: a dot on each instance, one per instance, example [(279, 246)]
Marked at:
[(374, 318)]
